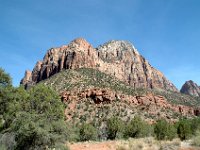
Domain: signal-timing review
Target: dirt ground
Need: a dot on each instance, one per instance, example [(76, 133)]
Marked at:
[(113, 145), (106, 145)]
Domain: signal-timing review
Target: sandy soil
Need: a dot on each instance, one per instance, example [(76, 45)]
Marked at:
[(106, 145), (112, 145)]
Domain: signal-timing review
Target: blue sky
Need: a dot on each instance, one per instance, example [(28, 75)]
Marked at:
[(166, 32)]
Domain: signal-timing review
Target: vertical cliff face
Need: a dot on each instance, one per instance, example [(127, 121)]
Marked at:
[(190, 88), (77, 54), (122, 60), (117, 58)]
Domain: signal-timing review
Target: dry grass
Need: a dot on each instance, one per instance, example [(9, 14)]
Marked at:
[(196, 140), (148, 144)]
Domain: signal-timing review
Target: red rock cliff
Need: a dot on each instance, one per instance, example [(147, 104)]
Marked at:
[(117, 58)]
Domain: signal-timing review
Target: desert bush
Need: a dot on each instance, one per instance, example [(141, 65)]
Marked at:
[(87, 132), (114, 127), (195, 125), (164, 130), (137, 128), (5, 79), (31, 119), (42, 123), (184, 129), (7, 141), (196, 139)]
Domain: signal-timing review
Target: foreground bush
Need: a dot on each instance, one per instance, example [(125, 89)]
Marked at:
[(195, 125), (164, 130), (88, 132), (137, 128), (196, 139), (42, 124), (114, 127), (31, 119), (184, 129), (5, 79)]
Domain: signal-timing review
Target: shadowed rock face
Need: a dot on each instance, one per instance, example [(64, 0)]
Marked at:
[(117, 58), (190, 88)]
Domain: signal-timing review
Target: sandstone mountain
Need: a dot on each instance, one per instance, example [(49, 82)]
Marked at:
[(116, 58), (112, 79), (190, 88)]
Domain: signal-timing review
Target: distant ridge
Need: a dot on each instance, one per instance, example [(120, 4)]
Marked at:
[(190, 88)]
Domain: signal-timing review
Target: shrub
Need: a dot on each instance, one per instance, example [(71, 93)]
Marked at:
[(35, 118), (137, 128), (196, 139), (7, 141), (88, 132), (164, 130), (5, 79), (114, 127), (184, 129), (195, 125)]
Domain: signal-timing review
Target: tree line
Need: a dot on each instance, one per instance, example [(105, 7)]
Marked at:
[(34, 119)]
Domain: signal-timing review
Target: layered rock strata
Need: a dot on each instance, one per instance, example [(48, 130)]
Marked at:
[(154, 103), (117, 58)]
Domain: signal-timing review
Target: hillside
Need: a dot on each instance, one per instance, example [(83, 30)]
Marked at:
[(91, 95), (113, 74), (81, 93)]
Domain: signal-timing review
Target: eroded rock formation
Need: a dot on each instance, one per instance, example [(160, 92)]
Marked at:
[(117, 58), (190, 88), (153, 103)]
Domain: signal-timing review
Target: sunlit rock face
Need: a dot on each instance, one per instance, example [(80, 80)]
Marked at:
[(118, 58), (190, 88)]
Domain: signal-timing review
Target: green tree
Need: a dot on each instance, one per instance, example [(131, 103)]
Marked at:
[(14, 100), (88, 132), (36, 118), (44, 100), (34, 132), (5, 79), (6, 96), (137, 128), (114, 126), (195, 125), (164, 130), (184, 129)]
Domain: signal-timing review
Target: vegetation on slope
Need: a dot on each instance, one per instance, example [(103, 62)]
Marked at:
[(179, 98), (34, 119), (83, 78)]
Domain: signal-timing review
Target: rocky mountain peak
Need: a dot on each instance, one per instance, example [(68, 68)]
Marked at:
[(81, 43), (190, 88), (117, 45), (116, 58)]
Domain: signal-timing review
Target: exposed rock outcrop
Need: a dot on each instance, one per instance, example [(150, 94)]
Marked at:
[(153, 103), (27, 80), (117, 58), (190, 88)]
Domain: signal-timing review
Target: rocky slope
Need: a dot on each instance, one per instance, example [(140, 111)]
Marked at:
[(151, 103), (116, 58), (93, 95), (190, 88)]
